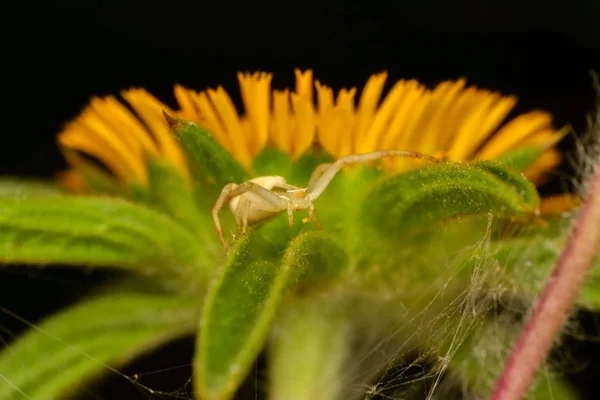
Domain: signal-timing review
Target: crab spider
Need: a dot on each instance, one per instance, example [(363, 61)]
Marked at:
[(261, 198)]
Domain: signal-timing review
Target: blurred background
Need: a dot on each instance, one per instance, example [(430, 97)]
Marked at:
[(59, 55)]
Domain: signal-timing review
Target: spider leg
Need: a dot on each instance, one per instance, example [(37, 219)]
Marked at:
[(290, 213), (223, 199), (321, 183), (314, 177), (263, 198), (316, 222), (285, 186), (311, 216), (241, 214)]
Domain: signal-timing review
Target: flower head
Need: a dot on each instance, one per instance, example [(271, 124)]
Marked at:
[(119, 138), (452, 121), (289, 123), (462, 123)]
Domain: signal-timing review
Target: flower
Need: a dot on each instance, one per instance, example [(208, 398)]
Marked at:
[(109, 132), (462, 123), (290, 124), (452, 120)]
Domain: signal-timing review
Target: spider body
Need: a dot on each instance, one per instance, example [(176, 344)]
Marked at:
[(257, 210), (264, 197)]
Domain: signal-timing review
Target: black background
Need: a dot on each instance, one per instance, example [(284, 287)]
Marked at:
[(57, 56)]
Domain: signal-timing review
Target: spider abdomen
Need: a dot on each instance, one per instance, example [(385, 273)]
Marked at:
[(257, 210)]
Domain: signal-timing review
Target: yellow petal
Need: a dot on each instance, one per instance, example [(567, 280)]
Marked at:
[(408, 117), (545, 138), (280, 125), (367, 106), (458, 113), (213, 123), (304, 84), (383, 117), (305, 125), (395, 136), (150, 111), (93, 126), (78, 137), (515, 132), (231, 124), (538, 171), (558, 204), (123, 122), (485, 118), (188, 104), (72, 180), (436, 132), (335, 122), (324, 97), (256, 92), (324, 108)]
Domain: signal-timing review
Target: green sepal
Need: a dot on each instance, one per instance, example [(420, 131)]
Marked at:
[(419, 198), (23, 188), (84, 341), (272, 161), (514, 180), (527, 260), (101, 182), (522, 158), (141, 194), (236, 318), (481, 356), (101, 232), (97, 179), (318, 258), (175, 195), (309, 349), (209, 161)]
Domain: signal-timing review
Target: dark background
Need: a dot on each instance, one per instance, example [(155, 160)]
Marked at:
[(57, 56)]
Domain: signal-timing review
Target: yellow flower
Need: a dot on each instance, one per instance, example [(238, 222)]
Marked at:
[(109, 132), (462, 123), (242, 136), (452, 121), (290, 123)]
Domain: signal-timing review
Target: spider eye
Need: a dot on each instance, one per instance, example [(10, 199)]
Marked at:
[(298, 193)]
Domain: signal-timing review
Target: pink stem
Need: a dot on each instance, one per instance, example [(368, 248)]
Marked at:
[(556, 299)]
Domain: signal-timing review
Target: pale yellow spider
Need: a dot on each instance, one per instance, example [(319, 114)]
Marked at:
[(266, 196)]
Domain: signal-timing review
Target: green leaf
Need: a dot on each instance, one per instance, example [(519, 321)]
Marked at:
[(89, 339), (413, 200), (236, 319), (21, 188), (91, 231), (308, 351), (210, 162), (521, 158)]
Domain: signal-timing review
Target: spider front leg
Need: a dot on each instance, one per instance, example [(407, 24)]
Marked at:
[(241, 215), (222, 201), (262, 198), (325, 173)]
